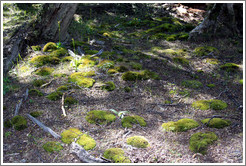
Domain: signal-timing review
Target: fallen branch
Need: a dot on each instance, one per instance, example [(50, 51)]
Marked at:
[(99, 53), (45, 128), (17, 108), (84, 155), (47, 83), (62, 107), (26, 94)]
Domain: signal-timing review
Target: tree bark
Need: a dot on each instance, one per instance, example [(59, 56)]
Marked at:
[(223, 20)]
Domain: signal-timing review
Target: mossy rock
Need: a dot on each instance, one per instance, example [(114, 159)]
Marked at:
[(109, 86), (116, 155), (36, 113), (70, 100), (180, 126), (107, 64), (52, 146), (38, 83), (80, 80), (44, 71), (69, 135), (63, 88), (7, 123), (19, 122), (207, 104), (49, 47), (210, 85), (200, 141), (218, 104), (138, 141), (35, 92), (216, 122), (59, 52), (86, 63), (136, 66), (54, 95), (212, 61), (41, 60), (112, 71), (67, 59), (192, 84), (121, 69), (86, 141), (127, 121), (204, 51), (36, 48), (229, 67), (181, 60), (127, 89), (99, 116)]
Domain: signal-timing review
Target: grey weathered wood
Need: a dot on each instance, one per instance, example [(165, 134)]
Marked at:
[(17, 108)]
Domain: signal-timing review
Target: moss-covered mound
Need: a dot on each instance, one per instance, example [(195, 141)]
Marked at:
[(192, 84), (67, 59), (200, 141), (201, 104), (212, 104), (49, 47), (142, 75), (52, 146), (138, 141), (86, 141), (112, 71), (121, 69), (204, 51), (180, 125), (109, 86), (63, 88), (36, 48), (218, 104), (69, 135), (35, 92), (7, 123), (229, 67), (86, 63), (216, 122), (106, 64), (99, 116), (70, 100), (44, 71), (127, 121), (41, 60), (38, 83), (80, 80), (36, 113), (59, 52), (19, 122), (116, 155), (55, 95), (89, 73), (130, 76)]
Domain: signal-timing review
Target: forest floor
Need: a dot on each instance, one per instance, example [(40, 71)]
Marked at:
[(138, 45)]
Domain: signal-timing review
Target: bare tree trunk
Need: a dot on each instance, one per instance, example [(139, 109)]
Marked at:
[(223, 20)]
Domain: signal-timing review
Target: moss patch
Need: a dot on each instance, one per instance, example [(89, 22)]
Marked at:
[(67, 59), (89, 73), (206, 104), (44, 71), (241, 81), (127, 89), (52, 146), (35, 92), (210, 85), (212, 61), (86, 141), (63, 88), (204, 51), (142, 75), (112, 71), (191, 84), (36, 48), (200, 141), (69, 135), (229, 67), (59, 52), (106, 64), (19, 122), (121, 68), (7, 123), (38, 83), (80, 80), (138, 141), (54, 95), (218, 104), (217, 122), (99, 116), (86, 63), (127, 121), (201, 104), (181, 60), (180, 125), (116, 155), (136, 66), (41, 60), (109, 86), (36, 113), (49, 47), (70, 100)]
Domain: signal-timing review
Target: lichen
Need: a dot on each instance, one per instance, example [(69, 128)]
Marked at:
[(200, 141), (52, 146), (36, 48), (180, 126), (19, 122), (138, 141), (44, 71), (116, 155), (35, 92), (86, 141), (109, 86), (192, 84), (216, 122), (80, 80), (121, 68), (38, 83), (127, 121), (49, 47), (136, 66), (70, 100), (99, 116), (69, 135), (229, 67), (130, 76), (36, 113), (54, 95), (204, 51), (209, 104)]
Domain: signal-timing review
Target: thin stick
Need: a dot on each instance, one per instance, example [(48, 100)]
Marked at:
[(26, 94), (47, 83), (62, 107), (17, 108)]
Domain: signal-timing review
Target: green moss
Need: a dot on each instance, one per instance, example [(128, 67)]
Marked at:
[(80, 80), (127, 121), (127, 89), (109, 86), (229, 67), (38, 83), (121, 68), (201, 104), (210, 85), (116, 155), (69, 135), (138, 141), (172, 37), (206, 104), (79, 43), (7, 123), (142, 75), (19, 122), (241, 81), (67, 59), (130, 76), (183, 36), (63, 88), (218, 104), (217, 122), (70, 101), (86, 63), (106, 64), (128, 51), (191, 84), (166, 27), (86, 141), (49, 47), (204, 51), (99, 116), (54, 95), (212, 61), (36, 113), (180, 125), (89, 73), (60, 75), (136, 66), (112, 71), (36, 48), (41, 60), (35, 92), (184, 92), (59, 52), (52, 146), (165, 51), (44, 71), (200, 141), (91, 52), (181, 60)]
